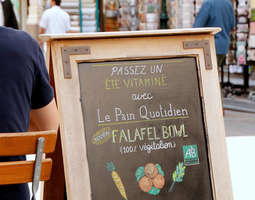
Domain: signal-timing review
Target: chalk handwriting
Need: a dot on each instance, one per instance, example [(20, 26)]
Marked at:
[(143, 96), (128, 70), (148, 134), (106, 118), (121, 116), (156, 68), (147, 114), (157, 146)]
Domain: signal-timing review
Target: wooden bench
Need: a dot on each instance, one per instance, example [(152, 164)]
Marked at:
[(14, 144)]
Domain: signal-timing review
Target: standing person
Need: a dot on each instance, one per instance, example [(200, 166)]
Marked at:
[(7, 15), (218, 13), (25, 93), (55, 20)]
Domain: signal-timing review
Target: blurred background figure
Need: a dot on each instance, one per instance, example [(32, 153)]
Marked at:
[(218, 13), (55, 20), (7, 15)]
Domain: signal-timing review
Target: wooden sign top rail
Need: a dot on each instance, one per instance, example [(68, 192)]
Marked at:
[(166, 32)]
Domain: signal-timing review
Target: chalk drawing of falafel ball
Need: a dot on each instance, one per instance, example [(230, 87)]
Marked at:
[(150, 178)]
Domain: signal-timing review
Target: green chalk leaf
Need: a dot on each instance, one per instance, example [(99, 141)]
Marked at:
[(139, 173), (179, 173), (154, 191), (110, 166), (160, 171)]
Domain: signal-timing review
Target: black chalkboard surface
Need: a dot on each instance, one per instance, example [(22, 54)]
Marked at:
[(144, 130)]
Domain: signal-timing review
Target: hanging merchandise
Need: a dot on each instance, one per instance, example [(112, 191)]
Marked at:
[(251, 41), (242, 20), (149, 14), (130, 15), (186, 13), (182, 13), (111, 13), (133, 15), (124, 15), (141, 14), (252, 28), (231, 56), (241, 52), (251, 55), (242, 36), (252, 15), (89, 23), (242, 31), (72, 8), (172, 7), (242, 28)]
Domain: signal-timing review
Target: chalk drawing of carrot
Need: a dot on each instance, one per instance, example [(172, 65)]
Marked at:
[(116, 178), (177, 175)]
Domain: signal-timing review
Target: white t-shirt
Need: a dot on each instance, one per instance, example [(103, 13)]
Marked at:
[(55, 20)]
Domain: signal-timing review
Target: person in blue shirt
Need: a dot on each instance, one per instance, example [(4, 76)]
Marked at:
[(217, 13), (27, 97)]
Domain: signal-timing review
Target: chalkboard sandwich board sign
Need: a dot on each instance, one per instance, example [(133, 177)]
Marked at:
[(141, 115)]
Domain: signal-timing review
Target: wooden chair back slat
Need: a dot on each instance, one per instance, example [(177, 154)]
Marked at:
[(12, 144), (22, 171)]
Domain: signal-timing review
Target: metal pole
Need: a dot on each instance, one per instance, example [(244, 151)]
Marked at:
[(37, 166), (81, 16), (97, 15), (163, 16)]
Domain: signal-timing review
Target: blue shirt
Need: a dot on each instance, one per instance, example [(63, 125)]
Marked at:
[(217, 13), (24, 85)]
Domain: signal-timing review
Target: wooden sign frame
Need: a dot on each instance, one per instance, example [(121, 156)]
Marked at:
[(198, 43)]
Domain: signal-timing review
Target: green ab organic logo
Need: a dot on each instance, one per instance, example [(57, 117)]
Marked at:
[(190, 153)]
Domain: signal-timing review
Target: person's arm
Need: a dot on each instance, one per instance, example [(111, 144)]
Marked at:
[(233, 20), (46, 118), (203, 15), (43, 113), (68, 26)]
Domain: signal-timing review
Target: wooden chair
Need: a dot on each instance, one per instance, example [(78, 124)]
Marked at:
[(14, 144)]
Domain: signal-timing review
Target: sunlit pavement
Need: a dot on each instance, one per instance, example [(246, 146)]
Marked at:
[(240, 139)]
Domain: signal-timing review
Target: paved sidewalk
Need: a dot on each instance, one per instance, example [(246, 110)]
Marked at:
[(239, 104), (239, 123)]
